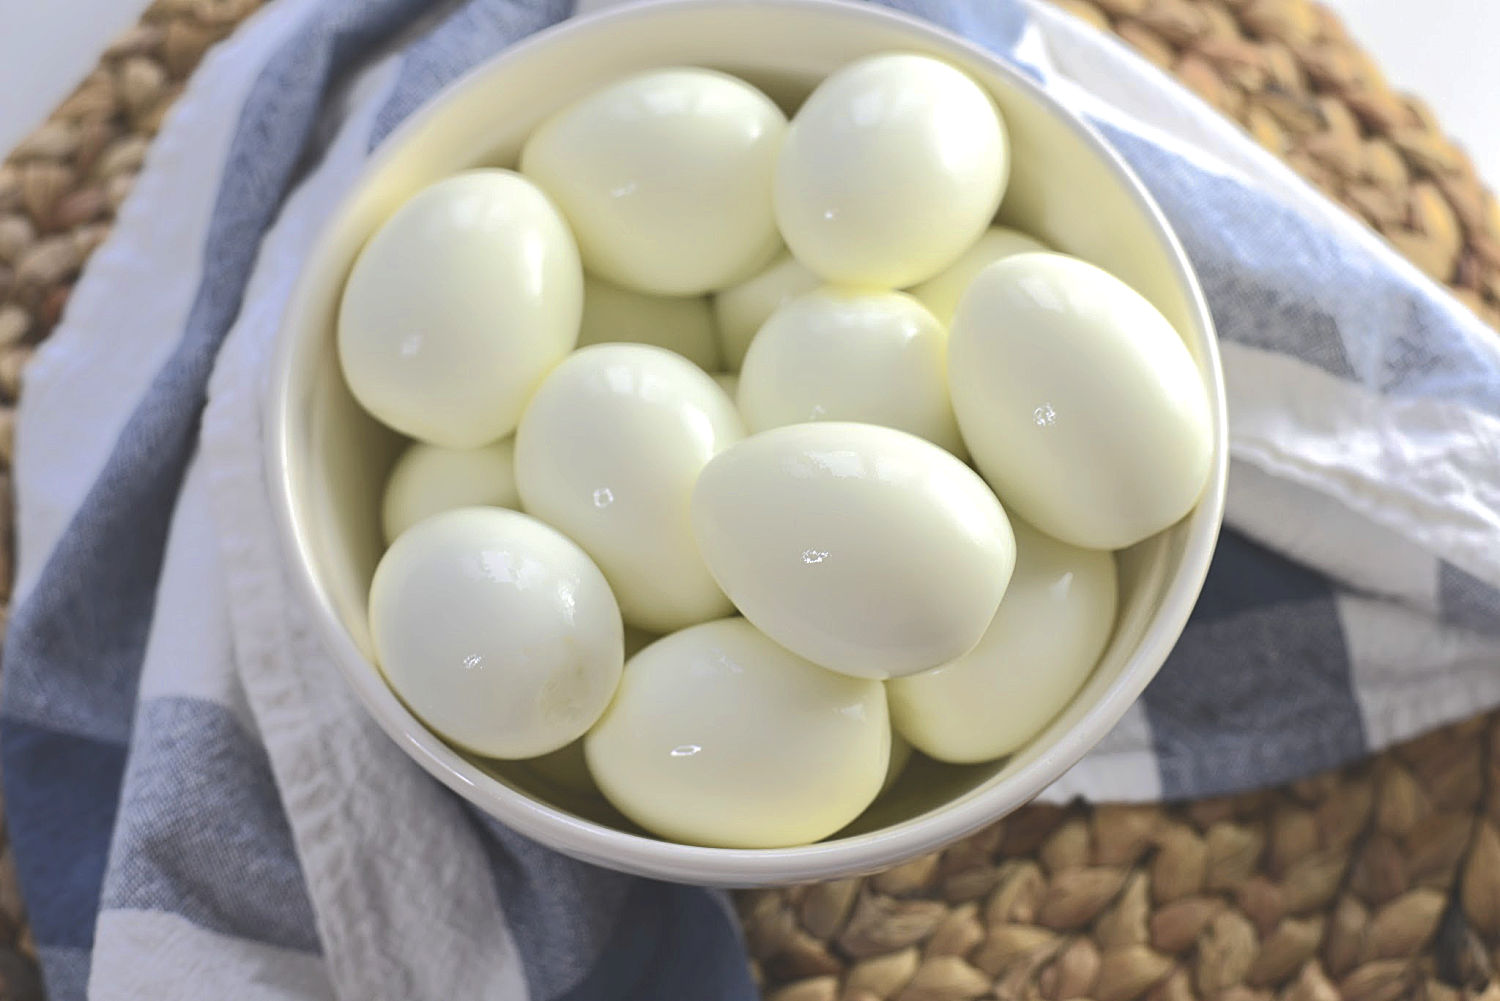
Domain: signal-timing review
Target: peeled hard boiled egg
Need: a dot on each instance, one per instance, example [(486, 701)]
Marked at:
[(892, 167), (1041, 646), (719, 737), (941, 294), (684, 324), (866, 550), (457, 306), (497, 631), (845, 355), (666, 178), (742, 309), (1079, 403), (431, 479), (608, 452)]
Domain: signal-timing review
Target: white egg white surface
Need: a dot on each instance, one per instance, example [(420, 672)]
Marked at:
[(941, 293), (430, 479), (891, 168), (1079, 402), (666, 178), (866, 550), (608, 452), (684, 324), (497, 631), (847, 355), (1046, 637), (741, 309), (720, 737), (457, 306)]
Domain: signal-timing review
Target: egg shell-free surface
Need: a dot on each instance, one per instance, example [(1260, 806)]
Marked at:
[(326, 460), (684, 324), (718, 736), (1051, 626), (741, 309), (457, 306), (497, 631), (431, 479), (608, 452), (846, 355), (941, 293), (666, 178), (1078, 401), (863, 549), (891, 168)]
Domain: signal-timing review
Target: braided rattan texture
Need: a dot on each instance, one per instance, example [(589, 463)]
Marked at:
[(1376, 883)]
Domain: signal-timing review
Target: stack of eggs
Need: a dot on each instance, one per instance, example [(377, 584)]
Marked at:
[(799, 561)]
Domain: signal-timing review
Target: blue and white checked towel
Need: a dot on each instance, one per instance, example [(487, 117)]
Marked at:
[(199, 809)]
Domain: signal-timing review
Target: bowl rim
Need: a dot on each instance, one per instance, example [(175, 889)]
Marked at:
[(617, 849)]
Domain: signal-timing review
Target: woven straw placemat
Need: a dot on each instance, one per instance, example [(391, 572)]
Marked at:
[(1373, 883)]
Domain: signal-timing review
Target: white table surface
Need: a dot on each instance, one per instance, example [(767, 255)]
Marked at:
[(1447, 57)]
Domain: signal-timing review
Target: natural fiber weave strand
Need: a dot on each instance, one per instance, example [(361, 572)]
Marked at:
[(1287, 71), (1373, 884), (1376, 883), (58, 193)]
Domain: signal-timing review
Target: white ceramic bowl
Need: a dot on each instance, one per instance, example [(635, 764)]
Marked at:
[(327, 459)]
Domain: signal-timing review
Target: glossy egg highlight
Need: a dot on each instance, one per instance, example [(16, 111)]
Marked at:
[(1079, 402), (720, 737), (608, 452), (499, 632), (891, 168), (457, 306), (1046, 637), (847, 355), (863, 549), (666, 178)]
